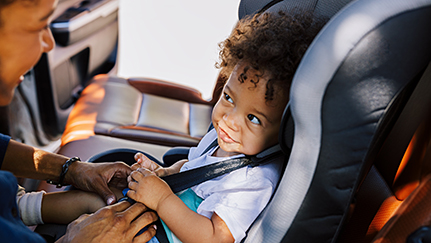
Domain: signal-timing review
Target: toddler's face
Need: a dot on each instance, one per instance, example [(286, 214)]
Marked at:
[(245, 122)]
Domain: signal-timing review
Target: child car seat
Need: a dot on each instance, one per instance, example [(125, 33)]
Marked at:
[(346, 95)]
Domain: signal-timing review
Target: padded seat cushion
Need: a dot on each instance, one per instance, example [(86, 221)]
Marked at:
[(115, 107)]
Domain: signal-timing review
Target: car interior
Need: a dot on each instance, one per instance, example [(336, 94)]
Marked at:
[(355, 134)]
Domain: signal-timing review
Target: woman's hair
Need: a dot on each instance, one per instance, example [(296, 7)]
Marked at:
[(270, 42), (4, 3)]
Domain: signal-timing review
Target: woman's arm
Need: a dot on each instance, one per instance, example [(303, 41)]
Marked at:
[(188, 226), (29, 162)]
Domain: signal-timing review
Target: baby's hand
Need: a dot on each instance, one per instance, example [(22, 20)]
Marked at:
[(147, 188), (143, 161)]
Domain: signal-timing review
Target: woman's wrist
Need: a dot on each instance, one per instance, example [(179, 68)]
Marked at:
[(72, 173), (65, 168)]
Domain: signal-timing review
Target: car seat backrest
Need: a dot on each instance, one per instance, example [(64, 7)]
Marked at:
[(345, 95)]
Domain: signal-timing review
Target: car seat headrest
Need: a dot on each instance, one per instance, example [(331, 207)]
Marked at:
[(323, 8)]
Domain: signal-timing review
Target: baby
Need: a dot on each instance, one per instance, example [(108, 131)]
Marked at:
[(260, 58)]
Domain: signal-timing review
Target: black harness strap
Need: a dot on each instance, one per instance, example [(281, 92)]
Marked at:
[(189, 178)]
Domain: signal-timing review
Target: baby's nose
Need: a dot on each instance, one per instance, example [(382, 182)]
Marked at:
[(231, 121)]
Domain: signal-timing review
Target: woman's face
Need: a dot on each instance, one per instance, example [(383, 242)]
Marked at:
[(24, 36)]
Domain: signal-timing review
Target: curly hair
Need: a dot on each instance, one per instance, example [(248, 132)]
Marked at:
[(269, 42)]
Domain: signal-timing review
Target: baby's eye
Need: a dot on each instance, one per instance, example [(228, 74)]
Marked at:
[(228, 98), (253, 119)]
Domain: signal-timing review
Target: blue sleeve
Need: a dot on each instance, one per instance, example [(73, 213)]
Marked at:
[(12, 229), (4, 141)]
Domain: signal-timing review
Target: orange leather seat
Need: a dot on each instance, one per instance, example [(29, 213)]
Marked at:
[(145, 110)]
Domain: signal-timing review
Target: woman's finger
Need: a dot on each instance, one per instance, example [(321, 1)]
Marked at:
[(131, 213), (146, 235), (119, 207)]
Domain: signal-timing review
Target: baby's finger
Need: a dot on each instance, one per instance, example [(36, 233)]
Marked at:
[(138, 156), (136, 175), (133, 185), (131, 193), (145, 172), (147, 163), (135, 166)]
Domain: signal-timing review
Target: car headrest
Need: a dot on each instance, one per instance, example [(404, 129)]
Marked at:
[(323, 8), (344, 94)]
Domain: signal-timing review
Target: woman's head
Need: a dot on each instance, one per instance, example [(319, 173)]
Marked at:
[(24, 36)]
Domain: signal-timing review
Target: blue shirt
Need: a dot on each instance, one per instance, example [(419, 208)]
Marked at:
[(4, 141), (12, 229)]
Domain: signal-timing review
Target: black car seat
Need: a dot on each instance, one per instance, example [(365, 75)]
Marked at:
[(346, 97)]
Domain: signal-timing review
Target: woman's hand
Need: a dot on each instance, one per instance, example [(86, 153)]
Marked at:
[(146, 187), (94, 177), (115, 223)]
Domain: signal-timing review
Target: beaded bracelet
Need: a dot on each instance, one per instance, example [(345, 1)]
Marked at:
[(63, 172)]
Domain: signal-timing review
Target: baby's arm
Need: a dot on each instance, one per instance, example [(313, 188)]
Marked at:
[(65, 206), (188, 226)]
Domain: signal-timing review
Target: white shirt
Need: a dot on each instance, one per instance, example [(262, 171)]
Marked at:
[(237, 197)]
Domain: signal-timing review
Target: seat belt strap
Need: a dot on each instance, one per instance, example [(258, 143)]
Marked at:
[(196, 176), (189, 178)]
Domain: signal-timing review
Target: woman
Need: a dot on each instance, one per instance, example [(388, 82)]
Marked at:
[(24, 36)]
